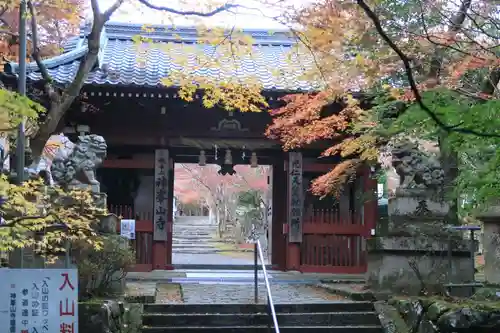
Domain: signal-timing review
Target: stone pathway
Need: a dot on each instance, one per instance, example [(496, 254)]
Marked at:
[(312, 278), (140, 292), (168, 293), (194, 243), (209, 286), (207, 259), (282, 293)]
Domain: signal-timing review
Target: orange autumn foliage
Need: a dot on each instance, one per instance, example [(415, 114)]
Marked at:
[(308, 118), (194, 183), (56, 21), (350, 54)]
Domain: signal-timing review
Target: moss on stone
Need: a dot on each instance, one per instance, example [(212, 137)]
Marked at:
[(390, 319), (447, 313), (132, 321), (436, 309), (90, 320), (487, 294)]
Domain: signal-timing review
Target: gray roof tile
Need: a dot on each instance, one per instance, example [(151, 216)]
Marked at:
[(120, 61)]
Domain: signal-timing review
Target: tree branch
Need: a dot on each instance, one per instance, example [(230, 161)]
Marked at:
[(455, 25), (61, 105), (36, 49), (217, 10), (21, 219), (90, 59), (197, 178), (107, 14), (411, 79), (96, 11), (8, 32)]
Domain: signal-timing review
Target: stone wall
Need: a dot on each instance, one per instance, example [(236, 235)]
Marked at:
[(433, 315), (415, 248), (491, 244), (390, 261)]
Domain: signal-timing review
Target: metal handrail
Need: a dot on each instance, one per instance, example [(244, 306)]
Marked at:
[(270, 304)]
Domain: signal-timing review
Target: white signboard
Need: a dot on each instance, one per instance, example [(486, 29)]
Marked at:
[(127, 229), (39, 301), (4, 151)]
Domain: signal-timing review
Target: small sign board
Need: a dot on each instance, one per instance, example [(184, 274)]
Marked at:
[(127, 229), (39, 300)]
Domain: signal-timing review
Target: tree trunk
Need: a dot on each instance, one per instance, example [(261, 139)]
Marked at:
[(219, 224), (449, 163)]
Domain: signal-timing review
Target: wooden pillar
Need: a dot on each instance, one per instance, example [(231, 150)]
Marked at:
[(161, 208), (269, 214), (170, 220), (279, 244)]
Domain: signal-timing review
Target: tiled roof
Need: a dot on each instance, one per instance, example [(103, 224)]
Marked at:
[(121, 64)]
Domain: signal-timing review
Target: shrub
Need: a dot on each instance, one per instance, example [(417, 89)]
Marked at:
[(102, 271)]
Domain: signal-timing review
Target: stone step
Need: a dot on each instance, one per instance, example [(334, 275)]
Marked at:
[(189, 241), (263, 328), (229, 267), (251, 319), (187, 238), (193, 245), (193, 232), (197, 223), (193, 229), (200, 244), (347, 306), (190, 228), (205, 251), (188, 247), (195, 226)]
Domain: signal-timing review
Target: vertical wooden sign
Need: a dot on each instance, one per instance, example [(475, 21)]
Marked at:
[(161, 195), (295, 197)]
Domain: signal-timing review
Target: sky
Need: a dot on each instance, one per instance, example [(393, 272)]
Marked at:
[(254, 16)]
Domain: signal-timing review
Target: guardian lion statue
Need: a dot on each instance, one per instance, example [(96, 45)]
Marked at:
[(416, 168), (78, 169), (68, 164)]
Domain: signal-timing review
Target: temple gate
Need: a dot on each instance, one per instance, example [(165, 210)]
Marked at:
[(148, 128)]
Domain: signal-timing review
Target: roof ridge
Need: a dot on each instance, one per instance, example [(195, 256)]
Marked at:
[(162, 32), (117, 52), (62, 59)]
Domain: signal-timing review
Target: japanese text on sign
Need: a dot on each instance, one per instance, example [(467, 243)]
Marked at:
[(295, 197), (161, 194), (40, 300)]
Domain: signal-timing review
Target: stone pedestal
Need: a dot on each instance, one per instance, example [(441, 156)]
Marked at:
[(394, 263), (491, 244), (95, 188), (416, 247), (108, 224)]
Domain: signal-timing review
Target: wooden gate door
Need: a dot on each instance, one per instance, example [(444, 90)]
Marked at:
[(143, 242), (331, 244), (333, 240)]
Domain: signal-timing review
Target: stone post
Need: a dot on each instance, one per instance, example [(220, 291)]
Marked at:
[(417, 247), (491, 244)]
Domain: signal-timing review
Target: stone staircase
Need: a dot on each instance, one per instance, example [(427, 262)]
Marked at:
[(341, 317), (193, 235)]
